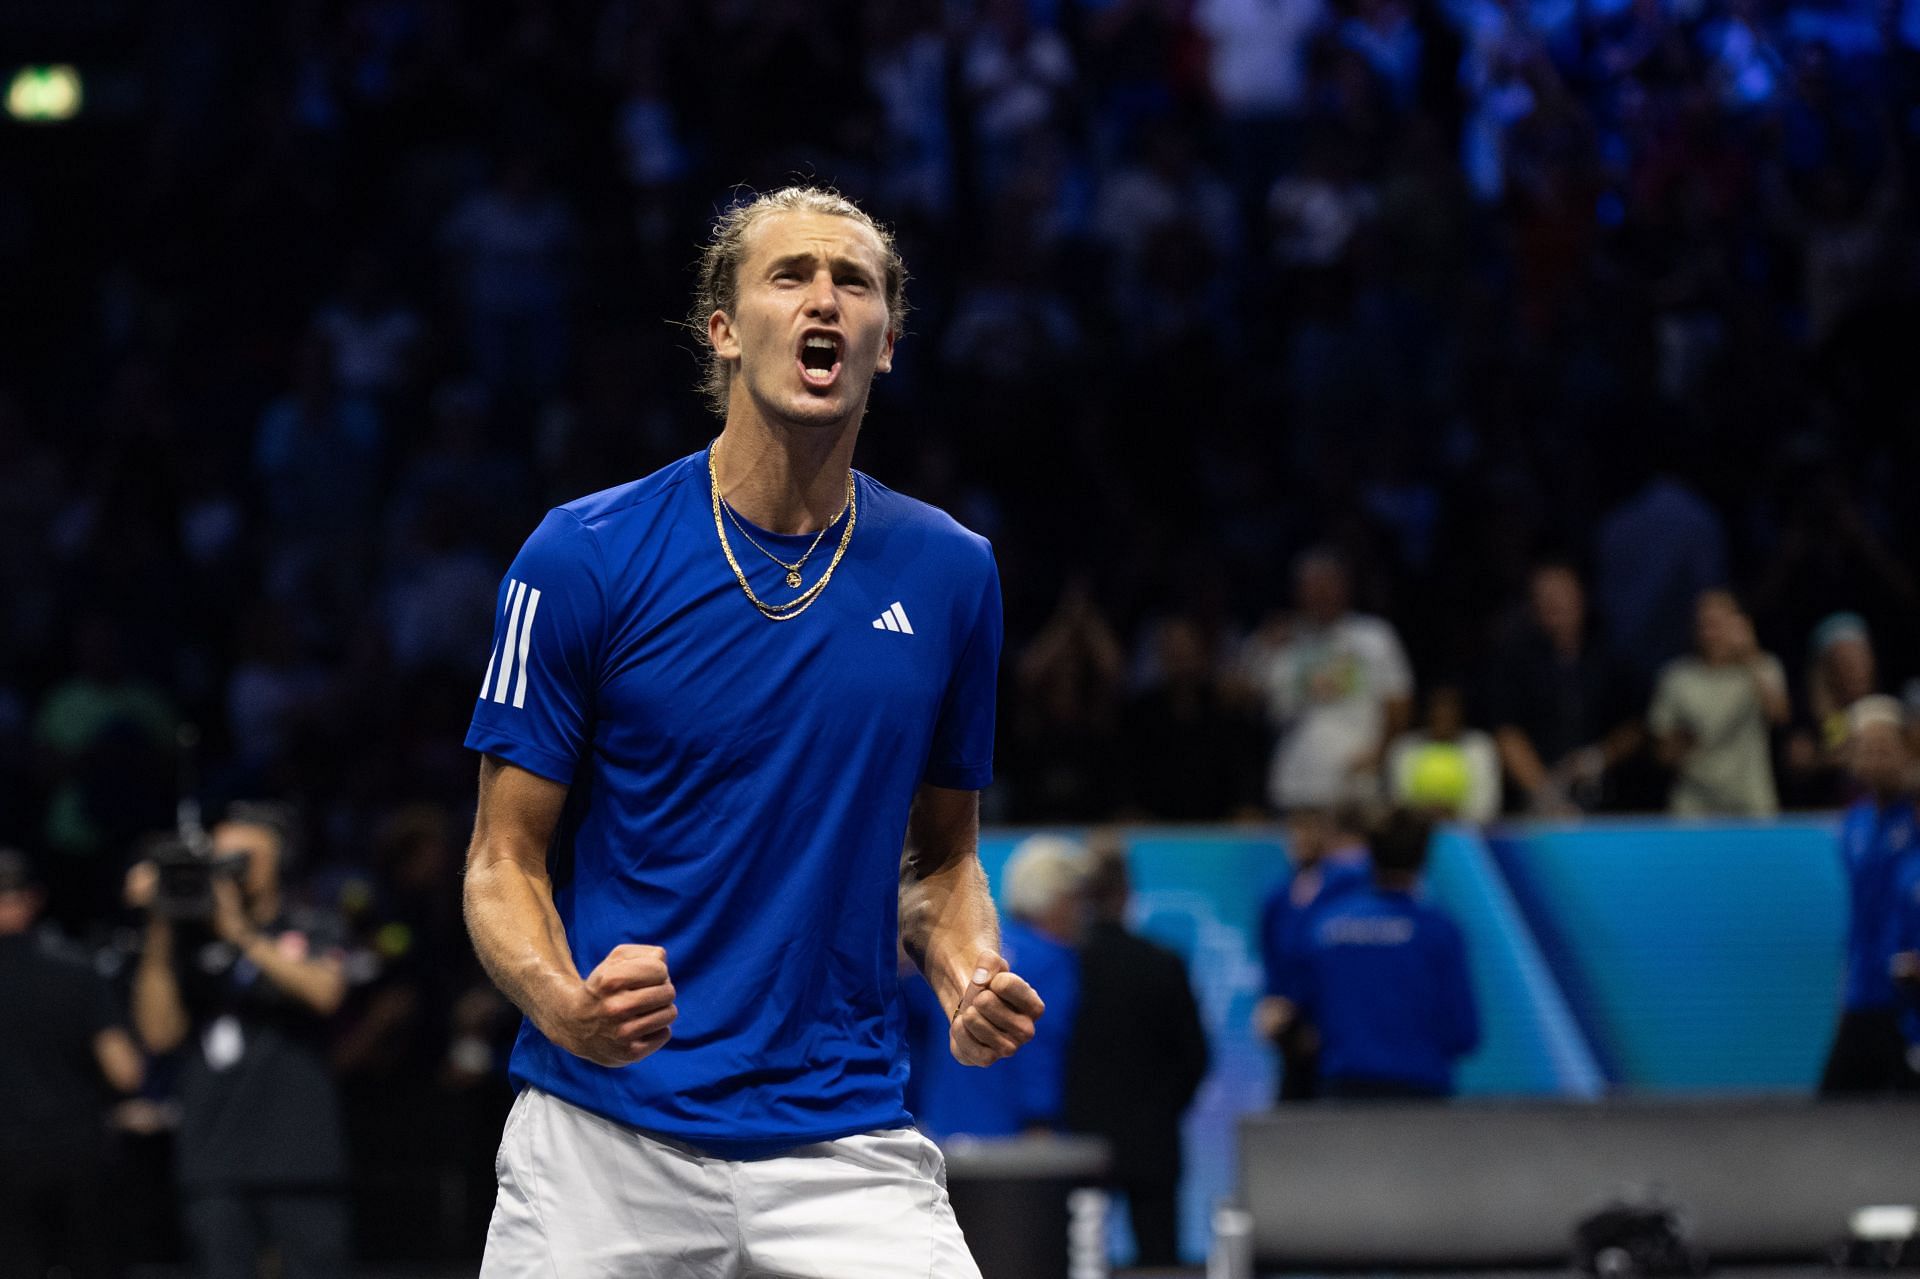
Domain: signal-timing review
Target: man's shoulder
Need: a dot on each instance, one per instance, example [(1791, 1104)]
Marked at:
[(943, 533), (637, 502)]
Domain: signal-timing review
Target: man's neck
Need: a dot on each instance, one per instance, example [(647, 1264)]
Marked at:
[(788, 479)]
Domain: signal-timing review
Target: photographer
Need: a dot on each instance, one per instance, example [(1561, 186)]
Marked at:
[(243, 987)]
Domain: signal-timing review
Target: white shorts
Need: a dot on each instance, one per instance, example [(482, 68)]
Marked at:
[(582, 1197)]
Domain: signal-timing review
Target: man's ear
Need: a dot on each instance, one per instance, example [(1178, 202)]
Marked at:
[(885, 363), (720, 336)]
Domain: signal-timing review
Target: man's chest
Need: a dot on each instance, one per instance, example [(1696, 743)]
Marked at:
[(711, 675)]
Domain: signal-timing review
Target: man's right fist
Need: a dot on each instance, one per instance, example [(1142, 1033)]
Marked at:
[(623, 1011)]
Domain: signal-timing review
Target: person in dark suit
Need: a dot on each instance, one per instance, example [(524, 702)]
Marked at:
[(1126, 1086)]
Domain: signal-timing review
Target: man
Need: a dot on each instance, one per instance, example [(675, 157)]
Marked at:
[(246, 994), (703, 749), (1327, 857), (1879, 846), (1126, 1087), (1044, 891), (1564, 709), (1384, 977), (1338, 688), (1712, 713), (61, 1037)]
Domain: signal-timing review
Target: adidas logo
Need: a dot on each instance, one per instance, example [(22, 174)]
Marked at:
[(894, 619)]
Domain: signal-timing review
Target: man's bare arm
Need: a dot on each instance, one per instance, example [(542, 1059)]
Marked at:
[(624, 1009), (948, 925)]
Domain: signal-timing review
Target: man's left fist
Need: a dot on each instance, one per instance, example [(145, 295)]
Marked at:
[(995, 1016)]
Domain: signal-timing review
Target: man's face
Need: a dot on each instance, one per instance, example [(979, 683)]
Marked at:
[(1559, 605), (1322, 590), (261, 848), (809, 327), (1716, 620), (1879, 758)]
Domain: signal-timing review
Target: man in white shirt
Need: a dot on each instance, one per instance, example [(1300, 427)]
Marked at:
[(1338, 687)]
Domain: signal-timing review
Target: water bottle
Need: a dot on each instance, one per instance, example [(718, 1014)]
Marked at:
[(1231, 1255)]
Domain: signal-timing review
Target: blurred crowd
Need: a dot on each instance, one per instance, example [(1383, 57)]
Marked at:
[(1493, 405)]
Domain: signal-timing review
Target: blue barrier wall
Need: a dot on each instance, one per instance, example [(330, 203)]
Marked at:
[(1697, 957), (1642, 956)]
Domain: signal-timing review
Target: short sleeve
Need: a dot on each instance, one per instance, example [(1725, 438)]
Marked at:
[(1392, 673), (962, 755), (536, 700)]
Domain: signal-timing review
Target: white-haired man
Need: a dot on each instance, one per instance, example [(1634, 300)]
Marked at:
[(1043, 890), (706, 744), (1879, 845)]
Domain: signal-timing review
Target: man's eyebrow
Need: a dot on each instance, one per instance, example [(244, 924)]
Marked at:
[(840, 262)]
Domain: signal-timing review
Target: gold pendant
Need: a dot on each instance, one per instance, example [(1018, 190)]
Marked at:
[(793, 578)]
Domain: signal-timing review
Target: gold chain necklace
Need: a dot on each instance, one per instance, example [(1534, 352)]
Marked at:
[(793, 569), (799, 604)]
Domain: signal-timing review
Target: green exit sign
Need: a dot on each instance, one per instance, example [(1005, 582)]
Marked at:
[(44, 95)]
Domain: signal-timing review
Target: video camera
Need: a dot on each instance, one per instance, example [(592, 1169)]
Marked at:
[(188, 870), (184, 857)]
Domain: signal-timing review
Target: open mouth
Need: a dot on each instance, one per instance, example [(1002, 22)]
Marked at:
[(819, 359)]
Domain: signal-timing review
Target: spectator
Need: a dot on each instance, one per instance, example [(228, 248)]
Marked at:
[(245, 994), (316, 455), (1338, 687), (1657, 551), (1327, 857), (1565, 709), (1711, 714), (1257, 66), (1016, 77), (1445, 769), (1843, 671), (1063, 729), (374, 336), (511, 249), (1125, 1087), (104, 736), (1879, 843), (1384, 977), (65, 1037), (1043, 891), (1193, 747)]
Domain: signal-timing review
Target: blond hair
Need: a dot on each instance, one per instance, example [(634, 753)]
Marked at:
[(718, 288)]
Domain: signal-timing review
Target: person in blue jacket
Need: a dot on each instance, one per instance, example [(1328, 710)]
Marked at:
[(1383, 975), (1879, 844), (1326, 856), (1044, 898)]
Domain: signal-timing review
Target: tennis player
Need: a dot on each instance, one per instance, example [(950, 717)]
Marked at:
[(721, 700)]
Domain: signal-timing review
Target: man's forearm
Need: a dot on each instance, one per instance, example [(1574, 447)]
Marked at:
[(947, 921), (158, 1014), (519, 938), (320, 985)]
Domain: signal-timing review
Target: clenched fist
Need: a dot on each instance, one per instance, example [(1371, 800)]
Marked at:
[(996, 1014), (623, 1011)]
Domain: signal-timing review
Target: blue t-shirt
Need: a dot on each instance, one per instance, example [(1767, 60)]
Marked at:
[(1291, 903), (740, 788), (1028, 1088), (1904, 931), (1384, 977), (1873, 843)]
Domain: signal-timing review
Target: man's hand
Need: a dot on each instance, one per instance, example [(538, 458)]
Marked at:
[(624, 1010), (996, 1014), (231, 923)]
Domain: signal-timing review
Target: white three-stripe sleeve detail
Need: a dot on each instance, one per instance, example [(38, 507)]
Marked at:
[(493, 655), (901, 613), (526, 637), (508, 649)]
